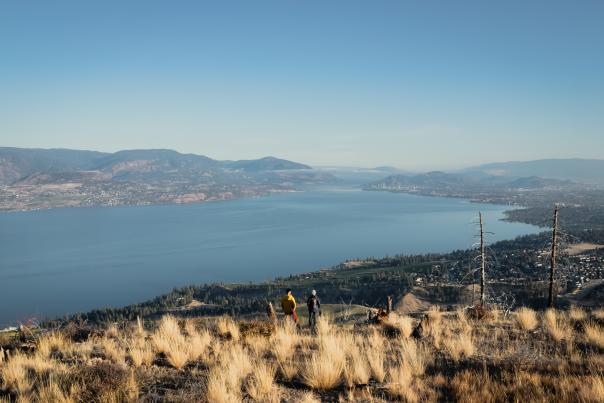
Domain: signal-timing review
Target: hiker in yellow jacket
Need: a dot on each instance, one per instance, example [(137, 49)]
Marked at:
[(288, 304)]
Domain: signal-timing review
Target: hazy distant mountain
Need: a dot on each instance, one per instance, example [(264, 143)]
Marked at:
[(581, 170), (386, 168), (536, 182), (441, 181), (38, 179), (266, 164), (19, 164)]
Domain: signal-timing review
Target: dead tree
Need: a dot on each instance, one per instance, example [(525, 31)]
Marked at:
[(552, 269), (388, 304), (270, 311), (482, 260)]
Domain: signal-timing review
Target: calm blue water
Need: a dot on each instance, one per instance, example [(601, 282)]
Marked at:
[(62, 261)]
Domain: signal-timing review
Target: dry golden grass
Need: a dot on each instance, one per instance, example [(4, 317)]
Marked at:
[(112, 331), (323, 325), (375, 340), (167, 334), (361, 363), (399, 384), (459, 346), (462, 320), (22, 371), (357, 371), (51, 391), (198, 343), (375, 358), (178, 350), (594, 334), (50, 343), (309, 397), (403, 324), (283, 341), (282, 345), (556, 326), (361, 373), (226, 327), (112, 350), (526, 319), (237, 363), (415, 356), (258, 345), (321, 373), (15, 376), (140, 352), (592, 390), (576, 313), (219, 388), (598, 314), (433, 324), (261, 385), (324, 368)]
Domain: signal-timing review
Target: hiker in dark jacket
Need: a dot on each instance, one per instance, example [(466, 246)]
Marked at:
[(314, 309)]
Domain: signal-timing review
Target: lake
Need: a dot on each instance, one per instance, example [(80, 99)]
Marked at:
[(62, 261)]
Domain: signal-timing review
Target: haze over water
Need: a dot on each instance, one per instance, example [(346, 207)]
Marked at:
[(62, 261)]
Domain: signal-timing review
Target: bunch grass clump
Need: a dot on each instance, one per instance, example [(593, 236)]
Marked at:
[(526, 319), (324, 368), (556, 326), (560, 360)]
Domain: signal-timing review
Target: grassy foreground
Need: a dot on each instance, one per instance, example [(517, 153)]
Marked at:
[(524, 356)]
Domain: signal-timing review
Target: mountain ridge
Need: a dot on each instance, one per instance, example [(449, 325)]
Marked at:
[(17, 164), (34, 179), (584, 170)]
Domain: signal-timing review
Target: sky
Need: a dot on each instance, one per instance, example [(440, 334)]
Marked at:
[(411, 84)]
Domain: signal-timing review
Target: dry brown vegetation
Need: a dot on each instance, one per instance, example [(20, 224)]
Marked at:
[(521, 356), (526, 319)]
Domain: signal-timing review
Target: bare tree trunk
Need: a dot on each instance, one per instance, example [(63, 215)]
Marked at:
[(270, 311), (471, 275), (552, 270), (482, 260), (389, 305)]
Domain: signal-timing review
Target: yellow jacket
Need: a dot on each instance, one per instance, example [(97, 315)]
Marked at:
[(288, 303)]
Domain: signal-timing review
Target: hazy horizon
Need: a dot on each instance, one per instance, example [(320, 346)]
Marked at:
[(411, 85), (320, 166)]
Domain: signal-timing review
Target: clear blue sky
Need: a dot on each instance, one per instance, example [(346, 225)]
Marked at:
[(414, 84)]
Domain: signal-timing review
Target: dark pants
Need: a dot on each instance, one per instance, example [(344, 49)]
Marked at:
[(312, 319)]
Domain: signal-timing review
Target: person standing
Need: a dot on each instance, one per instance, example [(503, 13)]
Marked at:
[(314, 309), (288, 304)]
